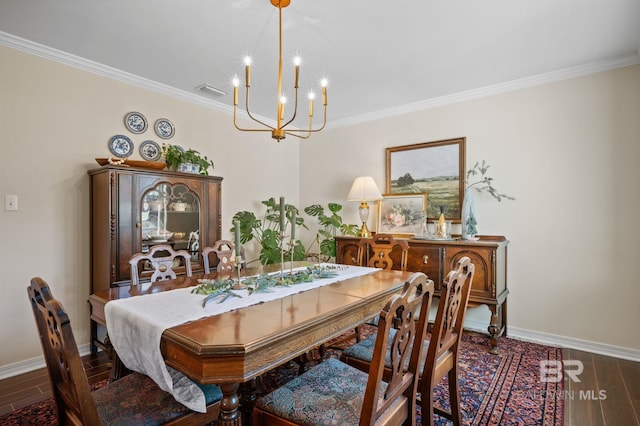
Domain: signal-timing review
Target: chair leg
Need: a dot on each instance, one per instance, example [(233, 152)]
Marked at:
[(426, 403), (454, 394)]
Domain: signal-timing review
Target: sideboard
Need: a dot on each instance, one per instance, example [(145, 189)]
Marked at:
[(437, 257)]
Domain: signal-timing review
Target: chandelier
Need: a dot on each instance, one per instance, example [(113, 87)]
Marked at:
[(280, 131)]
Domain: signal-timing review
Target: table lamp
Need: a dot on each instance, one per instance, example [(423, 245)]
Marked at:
[(364, 189)]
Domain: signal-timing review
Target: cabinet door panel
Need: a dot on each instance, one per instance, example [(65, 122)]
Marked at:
[(483, 281), (347, 251)]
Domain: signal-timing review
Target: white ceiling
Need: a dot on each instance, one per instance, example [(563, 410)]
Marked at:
[(377, 55)]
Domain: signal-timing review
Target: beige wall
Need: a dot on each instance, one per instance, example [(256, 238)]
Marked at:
[(568, 152), (54, 121)]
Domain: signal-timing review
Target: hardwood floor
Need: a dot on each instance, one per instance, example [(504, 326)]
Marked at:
[(608, 393), (20, 391)]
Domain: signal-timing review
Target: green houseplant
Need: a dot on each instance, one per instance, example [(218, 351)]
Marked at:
[(175, 156), (266, 231)]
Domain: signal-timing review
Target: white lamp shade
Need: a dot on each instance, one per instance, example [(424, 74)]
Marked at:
[(364, 188)]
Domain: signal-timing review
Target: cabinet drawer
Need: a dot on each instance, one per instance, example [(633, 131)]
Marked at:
[(426, 259)]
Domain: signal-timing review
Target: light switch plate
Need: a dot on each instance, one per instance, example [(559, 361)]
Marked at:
[(10, 202)]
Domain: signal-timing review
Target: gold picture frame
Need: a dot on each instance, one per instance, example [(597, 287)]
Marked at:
[(437, 168), (401, 215)]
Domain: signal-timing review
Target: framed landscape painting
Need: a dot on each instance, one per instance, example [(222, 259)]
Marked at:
[(436, 168), (401, 215)]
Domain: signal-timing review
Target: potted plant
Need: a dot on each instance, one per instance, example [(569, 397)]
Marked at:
[(188, 161), (266, 231)]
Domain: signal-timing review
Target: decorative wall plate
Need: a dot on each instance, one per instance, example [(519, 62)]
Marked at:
[(164, 128), (121, 146), (150, 151), (135, 122)]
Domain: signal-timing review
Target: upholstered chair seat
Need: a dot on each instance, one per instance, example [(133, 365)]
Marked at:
[(135, 399), (330, 393)]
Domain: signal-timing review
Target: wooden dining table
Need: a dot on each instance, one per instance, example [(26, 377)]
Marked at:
[(238, 346)]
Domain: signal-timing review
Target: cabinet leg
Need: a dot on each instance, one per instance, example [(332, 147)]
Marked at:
[(496, 327)]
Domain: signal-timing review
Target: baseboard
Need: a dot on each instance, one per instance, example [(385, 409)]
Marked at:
[(28, 365), (571, 343)]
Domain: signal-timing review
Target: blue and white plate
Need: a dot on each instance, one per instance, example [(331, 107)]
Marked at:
[(121, 146), (164, 128), (135, 122), (150, 151)]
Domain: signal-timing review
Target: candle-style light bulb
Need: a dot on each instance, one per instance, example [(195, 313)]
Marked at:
[(324, 84), (283, 100), (296, 63), (312, 96), (236, 83), (247, 70)]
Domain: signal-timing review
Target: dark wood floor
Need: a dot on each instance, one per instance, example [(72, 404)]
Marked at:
[(608, 393)]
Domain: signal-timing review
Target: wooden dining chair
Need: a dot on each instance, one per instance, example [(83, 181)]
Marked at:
[(333, 391), (441, 349), (376, 252), (224, 251), (162, 259), (134, 398)]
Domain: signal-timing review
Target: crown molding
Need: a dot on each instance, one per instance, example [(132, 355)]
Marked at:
[(52, 54), (65, 58), (496, 89)]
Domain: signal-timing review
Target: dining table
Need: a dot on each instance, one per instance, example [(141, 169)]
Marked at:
[(239, 345)]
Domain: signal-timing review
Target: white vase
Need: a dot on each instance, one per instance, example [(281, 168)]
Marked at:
[(469, 221)]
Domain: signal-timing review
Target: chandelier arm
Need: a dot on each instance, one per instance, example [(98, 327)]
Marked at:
[(310, 130), (251, 115), (295, 111)]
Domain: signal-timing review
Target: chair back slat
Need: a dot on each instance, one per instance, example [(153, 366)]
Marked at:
[(400, 313), (71, 391), (376, 252), (224, 251), (161, 258)]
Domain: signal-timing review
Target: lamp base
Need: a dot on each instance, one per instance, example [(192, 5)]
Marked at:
[(364, 231)]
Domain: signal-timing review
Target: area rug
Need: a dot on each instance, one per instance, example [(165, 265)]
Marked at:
[(502, 389)]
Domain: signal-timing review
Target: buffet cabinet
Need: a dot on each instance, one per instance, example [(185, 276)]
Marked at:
[(133, 209), (437, 257)]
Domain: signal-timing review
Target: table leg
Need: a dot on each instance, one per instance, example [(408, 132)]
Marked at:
[(230, 415)]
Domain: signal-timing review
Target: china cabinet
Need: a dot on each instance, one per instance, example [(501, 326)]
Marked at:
[(133, 209), (437, 257)]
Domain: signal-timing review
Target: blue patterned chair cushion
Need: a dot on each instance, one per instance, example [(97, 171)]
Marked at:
[(364, 350), (331, 393), (136, 400)]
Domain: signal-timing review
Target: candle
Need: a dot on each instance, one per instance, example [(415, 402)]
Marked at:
[(236, 225), (293, 225), (282, 215)]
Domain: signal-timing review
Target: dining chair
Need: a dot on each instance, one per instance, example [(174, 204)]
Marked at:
[(441, 349), (133, 399), (333, 392), (224, 252), (162, 259), (376, 251)]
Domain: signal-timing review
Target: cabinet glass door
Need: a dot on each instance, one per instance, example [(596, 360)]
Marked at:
[(170, 214)]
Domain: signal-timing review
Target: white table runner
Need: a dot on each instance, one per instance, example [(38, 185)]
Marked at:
[(135, 326)]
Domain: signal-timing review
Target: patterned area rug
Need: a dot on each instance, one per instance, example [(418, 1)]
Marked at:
[(502, 389)]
